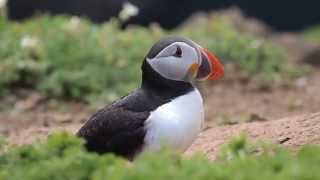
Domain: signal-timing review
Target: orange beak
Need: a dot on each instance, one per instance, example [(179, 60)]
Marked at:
[(210, 68)]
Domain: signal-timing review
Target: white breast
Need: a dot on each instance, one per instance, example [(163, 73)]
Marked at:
[(175, 124)]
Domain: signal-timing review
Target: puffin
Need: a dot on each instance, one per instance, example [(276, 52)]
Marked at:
[(165, 111)]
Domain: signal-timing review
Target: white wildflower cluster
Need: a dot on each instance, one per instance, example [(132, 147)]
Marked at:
[(74, 23), (256, 44), (29, 42), (3, 4), (3, 12), (128, 10)]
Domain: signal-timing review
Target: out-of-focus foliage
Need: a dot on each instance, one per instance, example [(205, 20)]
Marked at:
[(62, 157), (71, 57), (313, 34)]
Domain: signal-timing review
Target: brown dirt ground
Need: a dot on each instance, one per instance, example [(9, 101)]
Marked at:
[(227, 102), (233, 102), (291, 132)]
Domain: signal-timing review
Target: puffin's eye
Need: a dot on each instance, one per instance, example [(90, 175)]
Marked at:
[(178, 52)]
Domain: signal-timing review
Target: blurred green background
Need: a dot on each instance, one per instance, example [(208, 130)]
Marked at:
[(70, 57)]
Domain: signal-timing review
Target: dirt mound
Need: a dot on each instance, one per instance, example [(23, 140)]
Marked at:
[(292, 132)]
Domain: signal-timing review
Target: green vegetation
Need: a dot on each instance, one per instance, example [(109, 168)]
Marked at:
[(63, 157), (313, 34), (71, 57)]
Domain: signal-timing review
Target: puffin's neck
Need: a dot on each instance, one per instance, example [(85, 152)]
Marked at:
[(153, 81)]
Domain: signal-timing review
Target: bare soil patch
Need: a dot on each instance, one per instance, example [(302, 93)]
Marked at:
[(227, 102), (291, 132), (234, 102)]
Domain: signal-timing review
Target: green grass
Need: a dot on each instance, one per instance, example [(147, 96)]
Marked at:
[(312, 34), (67, 57), (62, 157), (80, 62)]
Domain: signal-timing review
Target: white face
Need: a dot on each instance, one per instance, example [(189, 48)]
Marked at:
[(174, 61)]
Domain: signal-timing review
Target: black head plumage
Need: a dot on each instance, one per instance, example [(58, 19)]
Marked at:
[(154, 81)]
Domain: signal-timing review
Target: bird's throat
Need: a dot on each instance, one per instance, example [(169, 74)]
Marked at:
[(151, 80)]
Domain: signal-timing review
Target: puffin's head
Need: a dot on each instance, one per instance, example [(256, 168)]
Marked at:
[(181, 59)]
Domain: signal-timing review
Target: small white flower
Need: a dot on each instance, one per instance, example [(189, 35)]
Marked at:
[(128, 10), (256, 44), (74, 23), (301, 82), (3, 3), (29, 42)]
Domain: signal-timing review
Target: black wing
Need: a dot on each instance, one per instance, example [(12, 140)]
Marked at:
[(119, 127)]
